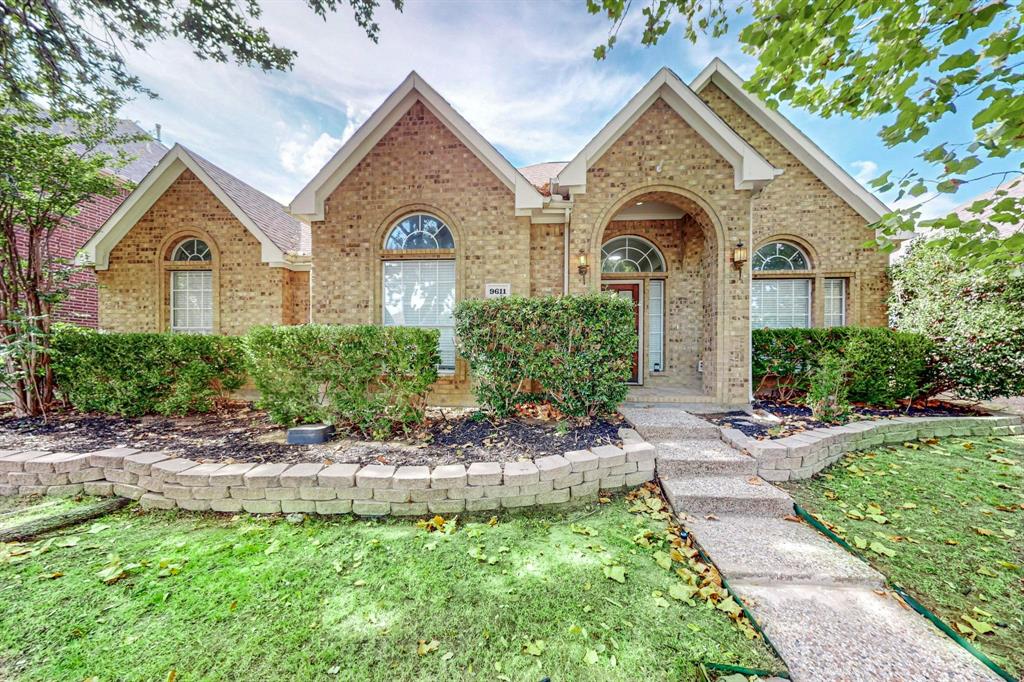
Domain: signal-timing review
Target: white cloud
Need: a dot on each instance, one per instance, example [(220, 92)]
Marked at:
[(933, 205), (865, 171)]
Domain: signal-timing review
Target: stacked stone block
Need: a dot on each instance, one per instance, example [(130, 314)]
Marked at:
[(160, 481), (805, 454)]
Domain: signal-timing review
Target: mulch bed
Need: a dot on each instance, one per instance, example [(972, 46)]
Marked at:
[(795, 418), (236, 431)]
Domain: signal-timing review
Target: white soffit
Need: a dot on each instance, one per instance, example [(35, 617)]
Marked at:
[(789, 136), (309, 202), (96, 251), (751, 170)]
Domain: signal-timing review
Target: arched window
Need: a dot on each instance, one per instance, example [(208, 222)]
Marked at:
[(419, 231), (631, 254), (778, 302), (780, 256), (418, 291), (191, 287), (192, 250)]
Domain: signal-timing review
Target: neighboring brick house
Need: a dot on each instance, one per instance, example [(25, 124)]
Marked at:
[(708, 210), (81, 305)]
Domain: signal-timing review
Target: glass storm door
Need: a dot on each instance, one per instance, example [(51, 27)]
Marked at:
[(631, 292)]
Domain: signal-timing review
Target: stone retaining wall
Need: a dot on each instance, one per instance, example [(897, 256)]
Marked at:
[(805, 454), (161, 481)]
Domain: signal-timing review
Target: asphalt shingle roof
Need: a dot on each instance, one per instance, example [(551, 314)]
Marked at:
[(288, 234)]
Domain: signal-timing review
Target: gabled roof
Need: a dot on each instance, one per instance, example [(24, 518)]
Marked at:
[(284, 240), (309, 203), (789, 136), (751, 170)]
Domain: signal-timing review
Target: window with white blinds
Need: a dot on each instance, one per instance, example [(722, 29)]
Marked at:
[(192, 301), (421, 293), (835, 302), (656, 326), (777, 303)]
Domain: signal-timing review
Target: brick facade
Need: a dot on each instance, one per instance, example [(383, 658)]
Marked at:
[(420, 165), (798, 207), (134, 293)]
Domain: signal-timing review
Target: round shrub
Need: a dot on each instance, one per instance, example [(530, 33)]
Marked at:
[(575, 351)]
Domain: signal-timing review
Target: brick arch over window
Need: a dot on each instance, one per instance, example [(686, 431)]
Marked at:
[(189, 289)]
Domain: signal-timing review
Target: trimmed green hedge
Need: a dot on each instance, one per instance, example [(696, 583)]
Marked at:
[(578, 349), (369, 378), (882, 365), (136, 374)]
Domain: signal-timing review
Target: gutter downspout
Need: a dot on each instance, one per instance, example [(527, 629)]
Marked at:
[(565, 251)]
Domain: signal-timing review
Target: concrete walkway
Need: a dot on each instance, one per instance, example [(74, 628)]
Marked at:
[(826, 611)]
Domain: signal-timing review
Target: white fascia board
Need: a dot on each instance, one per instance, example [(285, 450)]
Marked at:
[(309, 203), (870, 207), (751, 169), (96, 251)]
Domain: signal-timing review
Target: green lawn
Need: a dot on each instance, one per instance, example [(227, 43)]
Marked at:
[(945, 520), (219, 598)]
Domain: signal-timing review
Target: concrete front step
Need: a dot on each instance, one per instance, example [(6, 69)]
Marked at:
[(854, 634), (702, 495), (702, 458), (760, 550), (657, 424)]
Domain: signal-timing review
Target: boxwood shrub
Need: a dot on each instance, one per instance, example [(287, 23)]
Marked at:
[(882, 365), (577, 350), (138, 373), (368, 378)]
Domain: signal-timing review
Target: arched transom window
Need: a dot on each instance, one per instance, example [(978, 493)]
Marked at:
[(419, 231), (192, 250), (191, 287), (631, 254), (780, 256)]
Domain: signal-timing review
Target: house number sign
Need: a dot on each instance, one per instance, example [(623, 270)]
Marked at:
[(497, 290)]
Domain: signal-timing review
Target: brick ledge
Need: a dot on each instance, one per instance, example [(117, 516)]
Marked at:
[(159, 481), (802, 455)]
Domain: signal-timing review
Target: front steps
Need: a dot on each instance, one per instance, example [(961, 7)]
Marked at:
[(699, 496), (825, 611)]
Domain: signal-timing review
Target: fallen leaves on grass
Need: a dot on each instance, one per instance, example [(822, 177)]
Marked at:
[(440, 524), (697, 579), (424, 647)]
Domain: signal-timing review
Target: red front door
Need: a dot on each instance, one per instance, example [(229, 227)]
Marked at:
[(631, 292)]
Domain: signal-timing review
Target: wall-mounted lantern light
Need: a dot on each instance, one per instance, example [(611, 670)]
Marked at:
[(584, 267), (739, 255)]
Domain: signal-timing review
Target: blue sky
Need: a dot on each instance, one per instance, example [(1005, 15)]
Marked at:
[(521, 72)]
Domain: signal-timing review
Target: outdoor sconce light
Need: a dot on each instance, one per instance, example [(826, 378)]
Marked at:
[(739, 255), (584, 267)]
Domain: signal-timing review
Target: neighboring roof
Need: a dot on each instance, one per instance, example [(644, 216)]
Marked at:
[(1012, 189), (869, 206), (143, 153), (751, 170), (284, 240), (309, 203), (540, 174)]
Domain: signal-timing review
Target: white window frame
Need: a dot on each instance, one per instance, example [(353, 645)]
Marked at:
[(835, 318), (656, 340), (183, 307), (809, 298), (443, 369)]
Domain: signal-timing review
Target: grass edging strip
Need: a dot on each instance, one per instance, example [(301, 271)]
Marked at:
[(724, 667), (31, 529), (913, 603)]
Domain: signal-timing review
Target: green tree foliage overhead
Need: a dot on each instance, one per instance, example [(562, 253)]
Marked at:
[(975, 317), (73, 53), (914, 64)]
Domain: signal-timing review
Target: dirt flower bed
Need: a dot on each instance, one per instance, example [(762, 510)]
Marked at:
[(776, 419), (236, 431)]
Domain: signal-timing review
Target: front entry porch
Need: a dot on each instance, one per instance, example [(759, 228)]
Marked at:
[(691, 399)]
